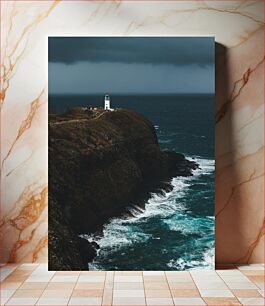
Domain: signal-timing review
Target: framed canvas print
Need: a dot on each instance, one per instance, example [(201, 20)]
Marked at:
[(131, 153)]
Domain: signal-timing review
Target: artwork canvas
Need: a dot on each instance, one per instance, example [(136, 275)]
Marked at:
[(131, 153)]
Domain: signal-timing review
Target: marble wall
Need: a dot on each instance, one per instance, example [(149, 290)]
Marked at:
[(238, 28)]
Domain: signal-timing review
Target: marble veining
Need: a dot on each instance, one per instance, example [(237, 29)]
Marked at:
[(238, 27)]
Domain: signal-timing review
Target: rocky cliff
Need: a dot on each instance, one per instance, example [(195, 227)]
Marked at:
[(100, 163)]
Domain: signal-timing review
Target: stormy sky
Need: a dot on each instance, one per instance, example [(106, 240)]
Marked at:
[(131, 65)]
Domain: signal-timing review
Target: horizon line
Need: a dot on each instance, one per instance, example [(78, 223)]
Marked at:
[(115, 93)]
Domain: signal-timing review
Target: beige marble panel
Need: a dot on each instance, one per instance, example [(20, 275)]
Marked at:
[(238, 28)]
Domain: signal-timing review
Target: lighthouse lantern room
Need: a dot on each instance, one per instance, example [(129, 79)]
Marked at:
[(107, 102)]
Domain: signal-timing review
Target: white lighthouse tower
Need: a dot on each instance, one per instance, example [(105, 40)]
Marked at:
[(107, 102)]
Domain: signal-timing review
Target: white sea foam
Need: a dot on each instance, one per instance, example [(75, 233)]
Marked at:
[(209, 258), (187, 263), (206, 165), (116, 235)]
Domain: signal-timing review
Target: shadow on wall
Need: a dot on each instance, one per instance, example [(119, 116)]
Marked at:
[(221, 106)]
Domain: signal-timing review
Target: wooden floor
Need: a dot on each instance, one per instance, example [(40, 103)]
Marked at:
[(33, 284)]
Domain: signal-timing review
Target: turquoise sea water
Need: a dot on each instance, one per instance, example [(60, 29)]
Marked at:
[(176, 230)]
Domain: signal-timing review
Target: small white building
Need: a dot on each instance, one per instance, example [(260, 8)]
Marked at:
[(107, 102)]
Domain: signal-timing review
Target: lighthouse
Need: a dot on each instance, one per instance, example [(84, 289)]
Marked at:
[(107, 102)]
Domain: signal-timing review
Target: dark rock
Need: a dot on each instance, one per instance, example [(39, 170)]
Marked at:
[(64, 247), (99, 164), (88, 250)]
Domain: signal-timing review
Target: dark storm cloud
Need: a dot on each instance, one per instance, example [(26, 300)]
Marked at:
[(84, 65), (145, 50), (123, 78)]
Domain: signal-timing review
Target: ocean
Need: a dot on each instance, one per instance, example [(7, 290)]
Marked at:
[(176, 230)]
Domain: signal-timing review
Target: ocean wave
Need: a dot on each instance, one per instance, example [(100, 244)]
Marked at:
[(165, 141), (116, 235), (207, 262), (186, 224), (123, 232), (206, 166)]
